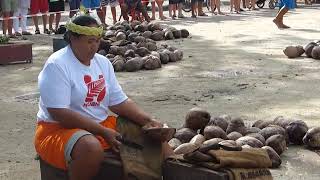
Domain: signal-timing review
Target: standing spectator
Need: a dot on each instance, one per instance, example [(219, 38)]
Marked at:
[(94, 4), (8, 7), (113, 4), (285, 5), (21, 13), (196, 6), (43, 7), (173, 6), (236, 5), (74, 5), (216, 3), (160, 9), (55, 6)]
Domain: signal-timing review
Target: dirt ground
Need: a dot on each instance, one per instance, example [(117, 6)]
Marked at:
[(232, 65)]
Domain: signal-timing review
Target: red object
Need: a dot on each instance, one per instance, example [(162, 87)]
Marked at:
[(16, 52), (39, 6)]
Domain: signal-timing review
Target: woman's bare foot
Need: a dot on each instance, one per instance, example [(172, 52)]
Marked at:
[(280, 25), (213, 12)]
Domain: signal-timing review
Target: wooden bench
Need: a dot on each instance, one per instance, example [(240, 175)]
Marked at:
[(112, 169)]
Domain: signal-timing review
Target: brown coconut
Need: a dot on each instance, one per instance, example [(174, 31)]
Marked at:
[(118, 65), (151, 46), (237, 125), (296, 131), (147, 34), (174, 143), (257, 136), (121, 50), (291, 52), (234, 135), (132, 36), (130, 53), (121, 36), (251, 141), (198, 156), (142, 51), (281, 121), (134, 64), (316, 53), (154, 26), (172, 56), (230, 145), (274, 157), (308, 48), (176, 34), (141, 28), (139, 39), (185, 148), (198, 139), (253, 130), (152, 63), (185, 134), (179, 54), (222, 121), (184, 33), (277, 142), (272, 130), (168, 35), (113, 50), (197, 118), (214, 132), (164, 57), (157, 36), (312, 138), (102, 52), (262, 124), (211, 144), (109, 56)]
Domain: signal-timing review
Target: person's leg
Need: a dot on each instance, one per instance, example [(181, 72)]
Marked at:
[(180, 15), (44, 8), (143, 10), (170, 8), (24, 13), (153, 10), (160, 7), (124, 11), (86, 146), (217, 2), (237, 6), (279, 18), (194, 8), (16, 21), (51, 19), (73, 7), (200, 8), (113, 5), (103, 11), (58, 17)]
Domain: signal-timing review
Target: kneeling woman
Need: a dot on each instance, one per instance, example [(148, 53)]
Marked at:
[(77, 86)]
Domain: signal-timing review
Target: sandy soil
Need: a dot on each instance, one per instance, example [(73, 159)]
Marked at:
[(232, 65)]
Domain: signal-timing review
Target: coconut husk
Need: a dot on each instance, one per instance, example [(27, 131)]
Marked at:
[(133, 64), (278, 143), (312, 138), (316, 53)]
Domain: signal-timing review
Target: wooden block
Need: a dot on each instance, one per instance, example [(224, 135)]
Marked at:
[(16, 52), (174, 170)]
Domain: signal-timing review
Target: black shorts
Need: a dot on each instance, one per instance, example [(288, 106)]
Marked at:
[(175, 1), (56, 6), (194, 1)]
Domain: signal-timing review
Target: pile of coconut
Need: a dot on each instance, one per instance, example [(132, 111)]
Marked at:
[(132, 46), (312, 50), (201, 133)]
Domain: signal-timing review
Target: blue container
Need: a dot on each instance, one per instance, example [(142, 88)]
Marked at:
[(58, 43)]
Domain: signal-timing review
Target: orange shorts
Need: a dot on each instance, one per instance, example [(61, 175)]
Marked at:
[(54, 143)]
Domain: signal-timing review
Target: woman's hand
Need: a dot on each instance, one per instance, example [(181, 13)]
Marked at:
[(110, 137), (153, 123)]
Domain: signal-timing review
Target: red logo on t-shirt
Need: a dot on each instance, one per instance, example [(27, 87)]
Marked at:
[(96, 91)]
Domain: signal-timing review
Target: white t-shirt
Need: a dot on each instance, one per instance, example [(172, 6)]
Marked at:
[(65, 82)]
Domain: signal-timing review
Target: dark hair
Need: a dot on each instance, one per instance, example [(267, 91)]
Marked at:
[(83, 20)]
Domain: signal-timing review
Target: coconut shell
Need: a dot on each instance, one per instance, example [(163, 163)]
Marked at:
[(142, 51), (109, 56), (308, 48), (174, 143), (134, 23), (251, 141), (164, 57), (274, 157), (152, 63), (176, 34), (168, 35), (272, 130), (291, 52), (237, 125), (133, 64), (262, 123), (151, 46), (185, 134), (102, 52), (281, 121), (179, 54), (121, 50), (316, 53), (312, 138), (129, 53), (300, 50), (147, 34), (131, 46), (120, 27), (118, 65), (246, 146), (109, 34), (204, 148), (113, 50), (253, 130), (198, 139), (142, 44), (139, 39), (214, 132), (154, 26), (230, 145), (105, 45), (171, 48), (185, 148), (184, 33), (222, 121), (278, 143), (155, 53), (121, 36), (197, 118), (157, 36), (234, 135), (198, 156), (172, 56), (132, 36), (296, 131), (257, 136), (141, 28)]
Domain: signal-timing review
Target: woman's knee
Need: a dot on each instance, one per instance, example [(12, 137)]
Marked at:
[(87, 146)]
